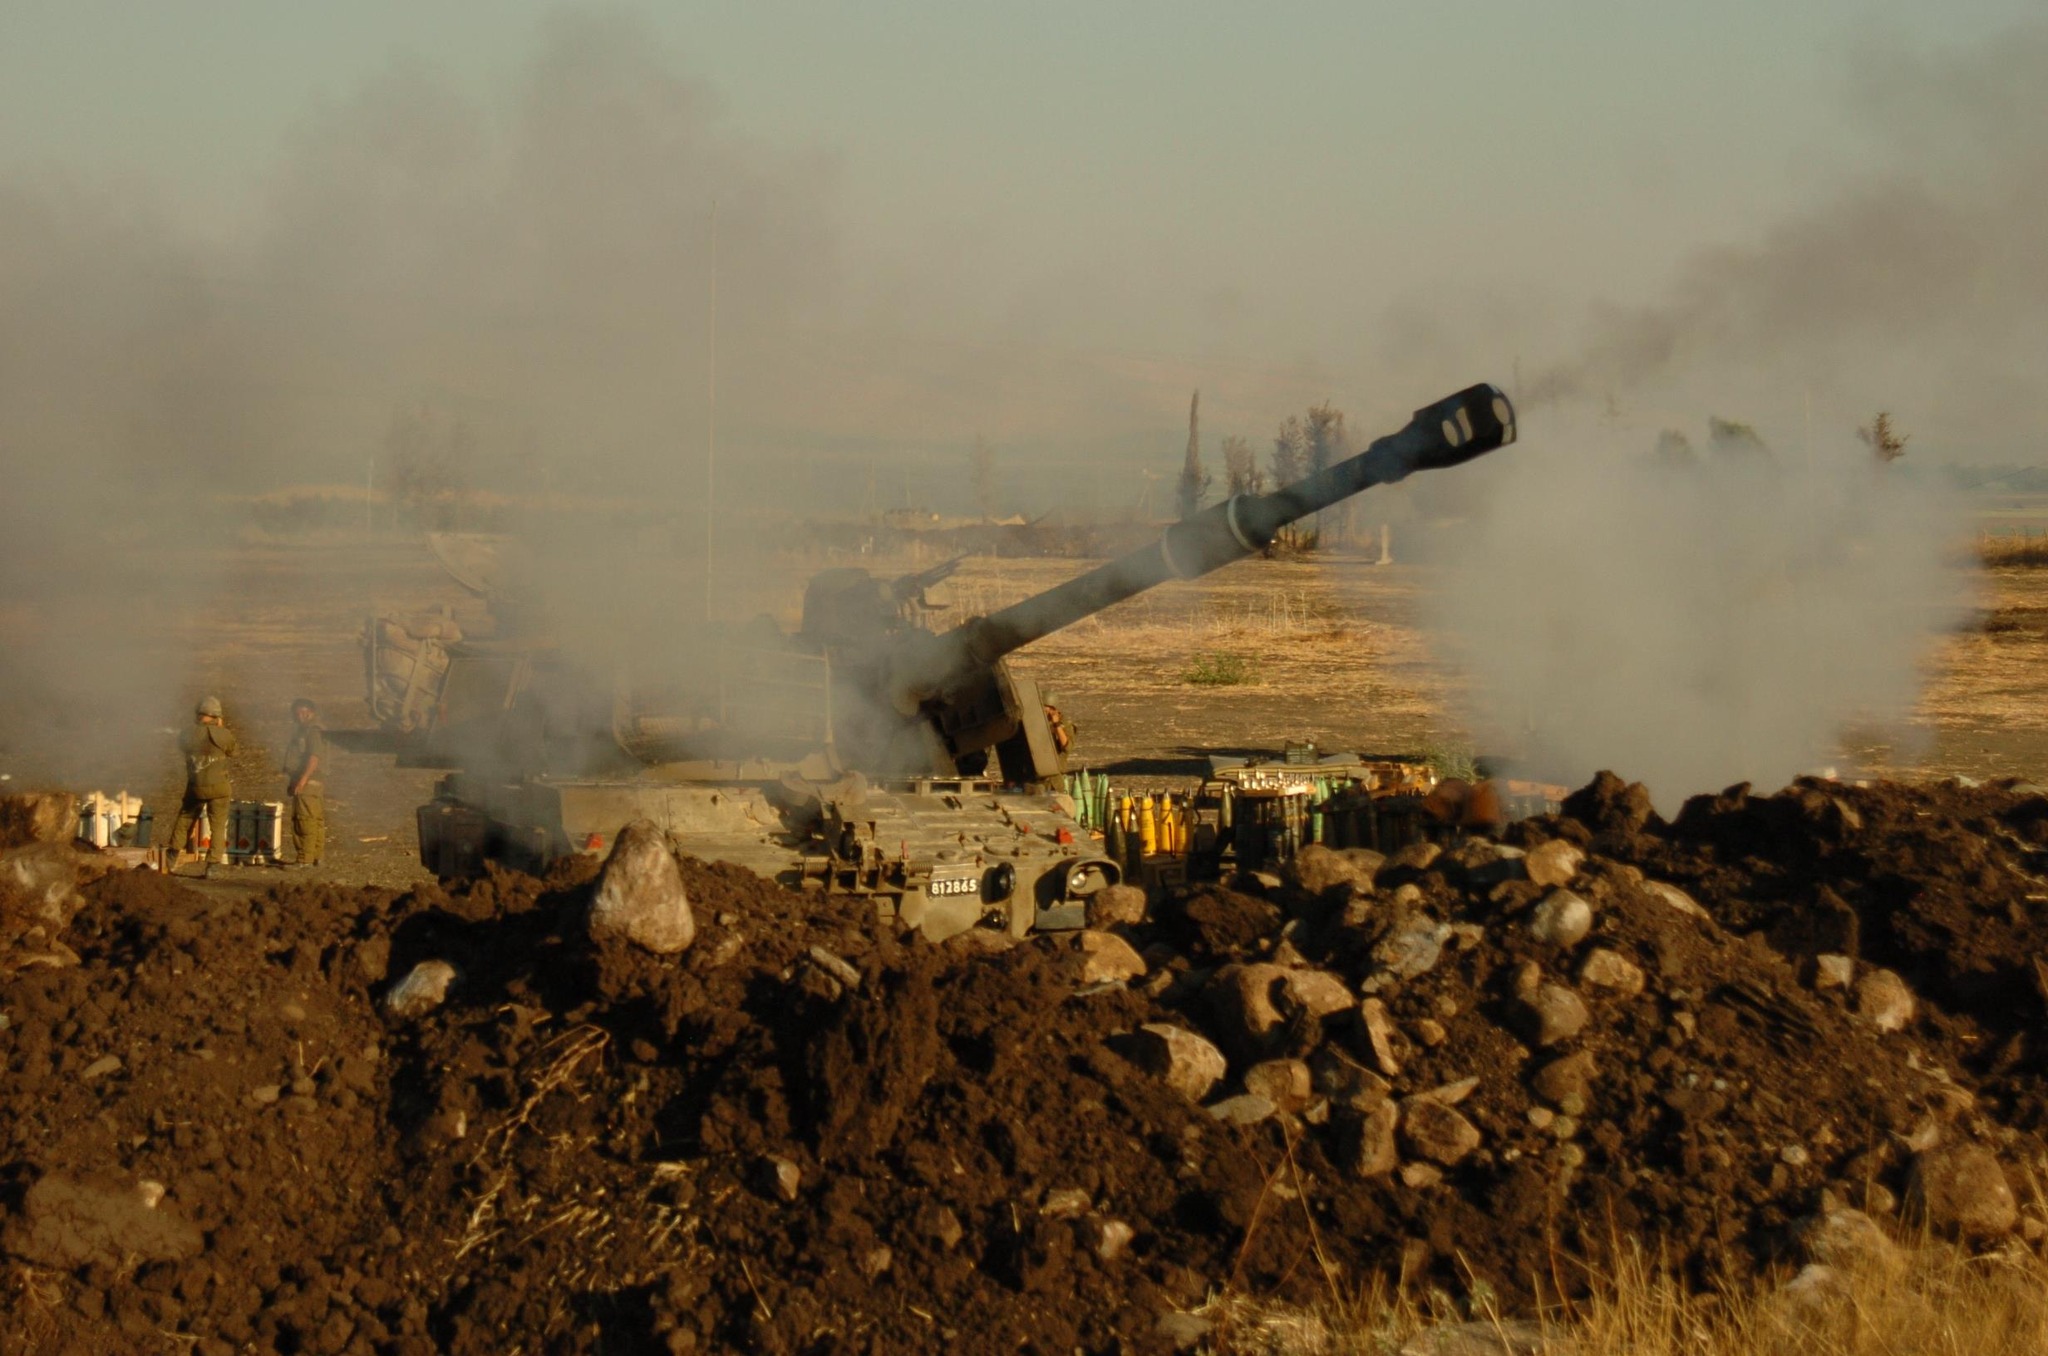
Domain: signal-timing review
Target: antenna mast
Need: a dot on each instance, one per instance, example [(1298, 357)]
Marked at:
[(711, 427)]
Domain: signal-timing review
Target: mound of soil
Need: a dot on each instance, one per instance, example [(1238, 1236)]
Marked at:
[(811, 1134)]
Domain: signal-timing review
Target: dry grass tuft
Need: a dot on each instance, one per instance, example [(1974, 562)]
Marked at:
[(1997, 549), (1941, 1303)]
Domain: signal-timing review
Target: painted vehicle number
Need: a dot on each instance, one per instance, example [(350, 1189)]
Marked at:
[(960, 885)]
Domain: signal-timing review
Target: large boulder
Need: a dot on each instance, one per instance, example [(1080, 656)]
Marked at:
[(1562, 919), (1107, 958), (640, 893), (1961, 1191)]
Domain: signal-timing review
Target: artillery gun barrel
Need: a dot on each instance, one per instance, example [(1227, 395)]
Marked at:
[(1456, 429)]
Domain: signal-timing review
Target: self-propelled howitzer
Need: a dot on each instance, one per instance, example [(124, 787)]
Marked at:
[(854, 756), (949, 693)]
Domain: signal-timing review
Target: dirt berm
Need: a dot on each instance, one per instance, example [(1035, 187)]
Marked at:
[(215, 1136)]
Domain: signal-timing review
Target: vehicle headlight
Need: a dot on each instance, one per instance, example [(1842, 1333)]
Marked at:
[(1085, 878)]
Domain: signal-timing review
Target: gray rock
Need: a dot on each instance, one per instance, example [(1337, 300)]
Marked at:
[(1379, 1037), (1450, 1094), (1110, 1239), (1553, 863), (100, 1068), (1961, 1191), (780, 1178), (640, 894), (1246, 1109), (1671, 897), (1560, 1014), (1605, 969), (1505, 864), (1346, 1082), (1286, 1083), (424, 988), (1242, 997), (1436, 1131), (1317, 868), (1116, 906), (1369, 1141), (1569, 1077), (1412, 949), (1318, 992), (1421, 1176), (1190, 1065), (941, 1225), (1416, 856), (1065, 1203), (1849, 1240), (1561, 919), (1833, 971), (1107, 958), (1884, 1001), (834, 967)]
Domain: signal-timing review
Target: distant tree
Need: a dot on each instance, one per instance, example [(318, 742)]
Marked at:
[(1194, 477), (1290, 451), (1729, 438), (1325, 435), (982, 467), (1883, 439), (1326, 444), (1241, 471)]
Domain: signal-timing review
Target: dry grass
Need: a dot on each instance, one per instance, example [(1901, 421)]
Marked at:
[(1941, 1303), (2012, 549)]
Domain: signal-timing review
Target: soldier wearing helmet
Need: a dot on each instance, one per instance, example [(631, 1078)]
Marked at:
[(207, 746), (303, 761)]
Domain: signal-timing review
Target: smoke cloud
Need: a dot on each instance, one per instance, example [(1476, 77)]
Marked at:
[(1919, 286), (533, 267), (1696, 620), (1695, 625)]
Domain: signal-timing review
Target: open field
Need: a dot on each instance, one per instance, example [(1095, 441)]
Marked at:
[(1331, 650)]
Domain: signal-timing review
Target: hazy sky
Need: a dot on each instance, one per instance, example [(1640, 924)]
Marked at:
[(1048, 221)]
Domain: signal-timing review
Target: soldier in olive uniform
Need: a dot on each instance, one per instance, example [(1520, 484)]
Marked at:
[(303, 759), (207, 746)]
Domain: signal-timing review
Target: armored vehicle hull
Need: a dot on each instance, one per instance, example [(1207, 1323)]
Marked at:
[(940, 854)]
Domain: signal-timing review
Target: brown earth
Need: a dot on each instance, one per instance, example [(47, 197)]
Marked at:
[(214, 1137)]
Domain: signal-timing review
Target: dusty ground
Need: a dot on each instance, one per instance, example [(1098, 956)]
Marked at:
[(1333, 651)]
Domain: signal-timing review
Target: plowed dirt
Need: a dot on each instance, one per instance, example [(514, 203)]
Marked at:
[(215, 1137)]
